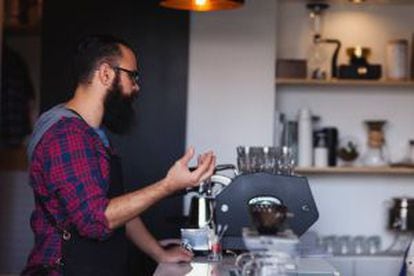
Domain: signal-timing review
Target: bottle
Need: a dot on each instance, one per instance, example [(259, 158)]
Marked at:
[(320, 152), (305, 138), (331, 139), (290, 139), (280, 122)]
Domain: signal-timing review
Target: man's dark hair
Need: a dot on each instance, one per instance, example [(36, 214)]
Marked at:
[(92, 51)]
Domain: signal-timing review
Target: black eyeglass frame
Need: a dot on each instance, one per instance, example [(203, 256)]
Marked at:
[(133, 75)]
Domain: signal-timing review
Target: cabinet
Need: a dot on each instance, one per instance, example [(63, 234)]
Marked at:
[(345, 104)]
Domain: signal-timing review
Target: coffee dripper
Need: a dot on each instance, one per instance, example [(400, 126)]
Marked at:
[(376, 154)]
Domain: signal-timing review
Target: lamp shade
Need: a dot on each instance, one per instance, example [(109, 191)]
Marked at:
[(202, 5)]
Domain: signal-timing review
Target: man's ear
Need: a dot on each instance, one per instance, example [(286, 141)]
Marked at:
[(106, 74)]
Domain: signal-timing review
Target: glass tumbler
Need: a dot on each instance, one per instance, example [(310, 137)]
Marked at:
[(343, 245), (243, 159), (257, 159), (373, 245), (285, 161), (359, 245)]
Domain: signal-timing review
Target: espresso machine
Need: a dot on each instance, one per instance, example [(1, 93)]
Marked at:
[(233, 205), (264, 194)]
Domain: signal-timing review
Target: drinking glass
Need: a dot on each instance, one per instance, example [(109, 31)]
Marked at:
[(266, 263), (359, 245), (243, 159), (285, 161), (343, 245), (257, 159), (328, 244), (270, 154), (373, 244)]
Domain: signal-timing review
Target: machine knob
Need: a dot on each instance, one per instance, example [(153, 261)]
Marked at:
[(224, 208)]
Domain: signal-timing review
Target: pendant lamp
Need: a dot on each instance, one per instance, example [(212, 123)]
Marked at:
[(202, 5)]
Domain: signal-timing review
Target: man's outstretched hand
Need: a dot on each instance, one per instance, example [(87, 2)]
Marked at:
[(180, 177)]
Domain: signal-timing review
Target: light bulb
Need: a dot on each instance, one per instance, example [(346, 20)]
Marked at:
[(200, 2)]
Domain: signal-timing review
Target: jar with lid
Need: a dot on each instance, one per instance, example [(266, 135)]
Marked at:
[(397, 59)]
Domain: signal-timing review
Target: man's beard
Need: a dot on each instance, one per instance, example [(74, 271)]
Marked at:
[(119, 114)]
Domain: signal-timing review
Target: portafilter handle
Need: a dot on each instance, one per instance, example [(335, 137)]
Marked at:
[(224, 167), (206, 186), (221, 167)]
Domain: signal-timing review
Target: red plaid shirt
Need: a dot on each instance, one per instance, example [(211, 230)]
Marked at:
[(69, 174)]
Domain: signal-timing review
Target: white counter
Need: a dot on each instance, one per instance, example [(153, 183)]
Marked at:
[(378, 265), (201, 267)]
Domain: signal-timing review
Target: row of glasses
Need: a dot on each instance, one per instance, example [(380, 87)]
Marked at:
[(275, 160), (348, 245)]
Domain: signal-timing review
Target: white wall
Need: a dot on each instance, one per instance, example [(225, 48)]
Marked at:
[(352, 204), (231, 79)]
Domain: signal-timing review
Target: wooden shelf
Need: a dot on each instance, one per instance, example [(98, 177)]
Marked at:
[(335, 82), (356, 170)]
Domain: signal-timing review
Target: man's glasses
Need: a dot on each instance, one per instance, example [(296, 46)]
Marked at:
[(133, 75)]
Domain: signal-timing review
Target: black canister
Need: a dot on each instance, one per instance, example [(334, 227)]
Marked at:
[(331, 134)]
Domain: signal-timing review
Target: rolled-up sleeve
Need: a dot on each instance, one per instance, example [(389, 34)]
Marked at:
[(75, 177)]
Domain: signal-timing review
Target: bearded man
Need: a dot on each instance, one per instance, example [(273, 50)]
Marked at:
[(82, 217)]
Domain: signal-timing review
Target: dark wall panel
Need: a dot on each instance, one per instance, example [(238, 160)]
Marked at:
[(160, 38)]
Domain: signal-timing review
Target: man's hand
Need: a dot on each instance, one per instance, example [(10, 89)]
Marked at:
[(124, 208), (175, 254), (180, 177)]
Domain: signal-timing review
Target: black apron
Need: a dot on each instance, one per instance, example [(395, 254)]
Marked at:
[(83, 256)]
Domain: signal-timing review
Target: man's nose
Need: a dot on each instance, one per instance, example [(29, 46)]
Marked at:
[(136, 87)]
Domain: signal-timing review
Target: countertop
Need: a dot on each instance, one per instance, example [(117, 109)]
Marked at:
[(200, 266)]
